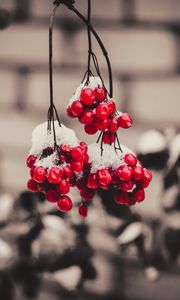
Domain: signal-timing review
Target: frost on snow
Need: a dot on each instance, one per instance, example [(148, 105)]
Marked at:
[(109, 157)]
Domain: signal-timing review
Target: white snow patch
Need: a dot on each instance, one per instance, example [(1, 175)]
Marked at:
[(150, 142), (41, 139)]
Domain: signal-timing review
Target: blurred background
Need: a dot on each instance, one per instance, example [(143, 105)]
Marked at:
[(116, 253)]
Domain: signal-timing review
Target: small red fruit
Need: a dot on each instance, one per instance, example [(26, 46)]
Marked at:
[(92, 181), (69, 112), (112, 106), (138, 195), (121, 197), (124, 173), (100, 94), (31, 161), (87, 117), (67, 172), (108, 138), (147, 175), (65, 148), (52, 196), (130, 159), (65, 204), (126, 185), (104, 177), (113, 125), (32, 185), (84, 146), (55, 175), (86, 158), (90, 129), (63, 187), (87, 96), (39, 174), (77, 153), (87, 194), (125, 121), (77, 166), (76, 108), (138, 173), (102, 111), (101, 124), (83, 210)]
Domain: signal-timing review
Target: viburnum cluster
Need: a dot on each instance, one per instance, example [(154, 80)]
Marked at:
[(94, 108), (121, 173), (54, 170)]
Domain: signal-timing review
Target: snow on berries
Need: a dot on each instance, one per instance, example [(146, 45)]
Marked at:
[(53, 170), (93, 107)]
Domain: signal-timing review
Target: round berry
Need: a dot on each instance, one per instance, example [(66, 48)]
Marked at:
[(83, 210), (55, 175), (104, 177), (124, 173), (31, 161), (77, 166), (121, 197), (86, 158), (147, 175), (102, 111), (81, 183), (32, 185), (90, 129), (100, 94), (39, 174), (87, 194), (143, 183), (138, 173), (67, 172), (65, 204), (32, 171), (108, 138), (130, 159), (87, 117), (115, 177), (77, 153), (87, 96), (126, 185), (62, 158), (63, 187), (84, 146), (101, 124), (65, 148), (112, 106), (69, 112), (76, 108), (113, 125), (92, 181), (125, 121), (52, 196), (138, 195)]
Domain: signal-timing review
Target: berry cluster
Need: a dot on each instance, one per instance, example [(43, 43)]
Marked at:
[(127, 181), (55, 181), (98, 112)]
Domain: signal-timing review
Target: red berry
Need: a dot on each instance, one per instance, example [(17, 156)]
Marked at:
[(52, 196), (67, 172), (76, 108), (62, 158), (112, 106), (131, 200), (83, 210), (39, 174), (69, 112), (104, 177), (102, 111), (65, 148), (108, 138), (63, 187), (115, 177), (124, 173), (31, 161), (84, 146), (87, 194), (130, 159), (32, 171), (100, 94), (77, 166), (55, 175), (138, 195), (125, 121), (126, 185), (77, 153), (90, 129), (92, 181), (32, 185), (87, 96), (138, 173), (86, 158), (65, 204), (121, 197), (143, 183), (113, 125), (81, 183), (87, 118), (101, 124), (147, 175)]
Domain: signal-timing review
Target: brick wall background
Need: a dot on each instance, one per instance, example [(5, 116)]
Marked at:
[(143, 41)]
